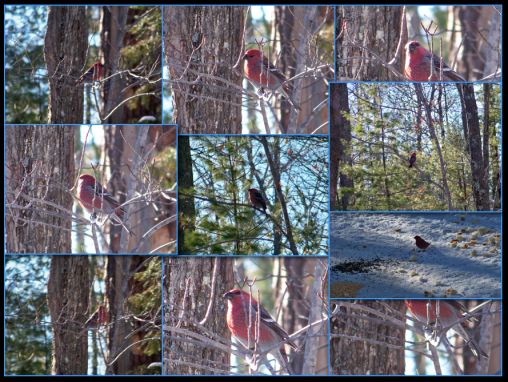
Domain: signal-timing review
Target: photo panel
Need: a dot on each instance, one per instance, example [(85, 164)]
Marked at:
[(90, 189), (82, 315), (253, 195), (394, 43), (253, 70), (415, 337), (415, 147), (245, 316), (410, 255), (83, 64)]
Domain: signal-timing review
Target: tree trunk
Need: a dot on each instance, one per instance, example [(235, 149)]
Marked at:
[(471, 126), (64, 53), (113, 27), (68, 289), (39, 173), (340, 148), (186, 207), (201, 47), (118, 273), (361, 30), (187, 294), (362, 346)]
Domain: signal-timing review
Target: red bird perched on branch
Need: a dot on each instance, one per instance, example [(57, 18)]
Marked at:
[(95, 199), (420, 243), (244, 310), (412, 160), (418, 61), (264, 75), (256, 199), (451, 316), (92, 74), (98, 318)]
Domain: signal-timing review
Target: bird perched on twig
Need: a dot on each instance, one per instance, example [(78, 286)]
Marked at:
[(92, 74), (96, 199), (451, 317), (98, 318), (412, 160), (418, 64), (264, 75), (420, 243), (256, 199), (242, 320)]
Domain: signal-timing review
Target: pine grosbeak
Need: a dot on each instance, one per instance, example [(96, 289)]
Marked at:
[(270, 338), (92, 74), (417, 66), (95, 198), (264, 75), (256, 199), (98, 318), (451, 312), (412, 160), (420, 243)]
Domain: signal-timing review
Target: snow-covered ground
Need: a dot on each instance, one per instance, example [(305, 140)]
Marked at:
[(377, 251)]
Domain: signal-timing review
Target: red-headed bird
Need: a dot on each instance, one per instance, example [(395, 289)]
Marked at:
[(92, 74), (256, 199), (96, 199), (420, 243), (450, 313), (98, 318), (412, 160), (271, 337), (417, 66), (264, 75)]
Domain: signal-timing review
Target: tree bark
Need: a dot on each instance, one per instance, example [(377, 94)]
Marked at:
[(340, 147), (113, 28), (187, 294), (68, 290), (201, 47), (64, 53), (186, 207), (354, 348), (361, 30), (39, 173), (471, 126)]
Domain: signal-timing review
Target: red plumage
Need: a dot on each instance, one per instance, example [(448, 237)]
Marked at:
[(256, 199), (95, 198), (451, 312), (92, 74), (264, 75), (420, 243), (98, 318), (242, 317), (418, 64)]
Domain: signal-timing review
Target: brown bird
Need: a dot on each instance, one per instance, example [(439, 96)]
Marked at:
[(412, 160), (256, 199), (420, 243)]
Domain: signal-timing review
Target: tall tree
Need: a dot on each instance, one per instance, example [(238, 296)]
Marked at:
[(340, 147), (64, 53), (188, 300), (202, 45), (68, 290), (361, 30)]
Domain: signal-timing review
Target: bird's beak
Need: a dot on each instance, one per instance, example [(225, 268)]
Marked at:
[(244, 57), (226, 295), (412, 48)]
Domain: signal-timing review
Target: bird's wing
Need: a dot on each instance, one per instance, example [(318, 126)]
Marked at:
[(104, 194), (273, 69), (268, 320), (257, 195), (447, 71)]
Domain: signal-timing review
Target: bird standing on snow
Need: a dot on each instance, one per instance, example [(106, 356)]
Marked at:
[(420, 243)]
